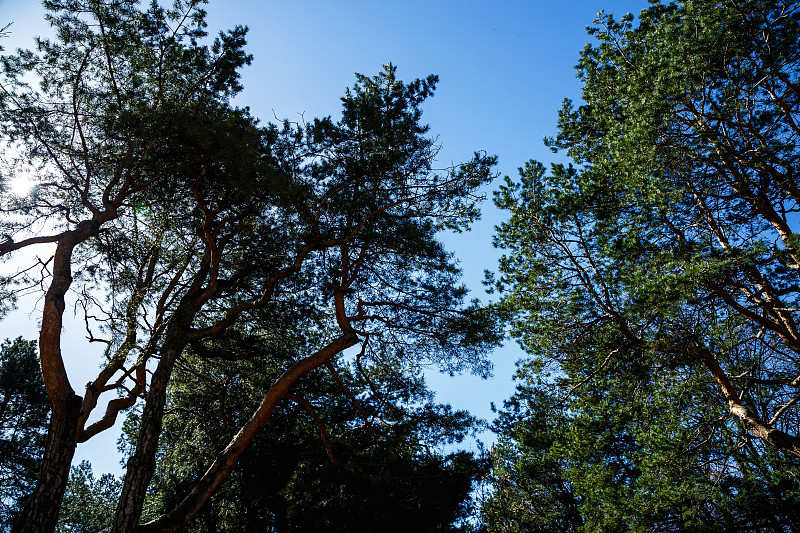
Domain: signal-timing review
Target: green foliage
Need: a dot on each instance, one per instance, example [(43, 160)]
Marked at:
[(638, 458), (654, 284), (634, 455), (23, 424), (180, 219), (331, 469), (89, 502)]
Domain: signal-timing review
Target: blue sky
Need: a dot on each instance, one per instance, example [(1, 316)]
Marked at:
[(504, 68)]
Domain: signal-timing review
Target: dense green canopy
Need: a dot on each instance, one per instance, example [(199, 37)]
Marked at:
[(269, 294), (323, 463), (655, 284)]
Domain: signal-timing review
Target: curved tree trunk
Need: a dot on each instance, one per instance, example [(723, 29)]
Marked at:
[(755, 426), (40, 514)]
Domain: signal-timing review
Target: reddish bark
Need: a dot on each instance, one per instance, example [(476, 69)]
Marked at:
[(41, 511), (755, 426), (222, 466)]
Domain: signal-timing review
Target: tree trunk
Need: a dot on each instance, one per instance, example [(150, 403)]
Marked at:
[(142, 464), (41, 510), (224, 463), (753, 424)]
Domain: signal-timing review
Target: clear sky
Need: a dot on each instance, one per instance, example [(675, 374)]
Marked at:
[(504, 68)]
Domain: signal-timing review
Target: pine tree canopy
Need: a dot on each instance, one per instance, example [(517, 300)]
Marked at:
[(654, 282)]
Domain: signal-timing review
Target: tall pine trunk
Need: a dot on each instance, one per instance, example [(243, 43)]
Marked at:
[(142, 464), (40, 514)]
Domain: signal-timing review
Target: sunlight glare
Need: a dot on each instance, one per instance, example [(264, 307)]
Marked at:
[(20, 185)]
